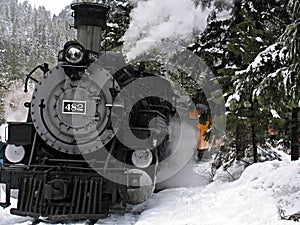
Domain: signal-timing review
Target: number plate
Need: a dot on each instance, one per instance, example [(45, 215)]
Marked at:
[(74, 107)]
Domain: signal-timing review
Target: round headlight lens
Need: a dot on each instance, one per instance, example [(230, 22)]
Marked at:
[(14, 154), (74, 54), (142, 158)]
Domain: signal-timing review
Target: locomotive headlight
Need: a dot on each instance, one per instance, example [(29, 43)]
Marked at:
[(14, 154), (142, 158), (74, 54)]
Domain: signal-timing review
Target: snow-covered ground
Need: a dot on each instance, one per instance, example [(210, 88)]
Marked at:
[(254, 199)]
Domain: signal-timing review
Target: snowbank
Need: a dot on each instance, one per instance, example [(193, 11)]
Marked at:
[(254, 199)]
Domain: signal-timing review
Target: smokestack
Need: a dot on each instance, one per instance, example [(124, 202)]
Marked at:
[(90, 20)]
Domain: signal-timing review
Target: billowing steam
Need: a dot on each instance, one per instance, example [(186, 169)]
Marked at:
[(181, 170), (154, 21)]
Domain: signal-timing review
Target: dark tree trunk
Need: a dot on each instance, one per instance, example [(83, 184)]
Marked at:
[(295, 134), (254, 144), (240, 140), (253, 133)]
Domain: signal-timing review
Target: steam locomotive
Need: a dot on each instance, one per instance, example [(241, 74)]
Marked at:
[(95, 132)]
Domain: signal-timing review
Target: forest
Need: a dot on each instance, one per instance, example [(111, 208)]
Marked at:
[(254, 53)]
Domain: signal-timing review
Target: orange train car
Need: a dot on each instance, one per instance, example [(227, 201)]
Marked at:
[(203, 126)]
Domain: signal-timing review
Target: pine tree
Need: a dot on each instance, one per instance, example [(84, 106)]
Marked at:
[(28, 37), (279, 89), (117, 24), (254, 31)]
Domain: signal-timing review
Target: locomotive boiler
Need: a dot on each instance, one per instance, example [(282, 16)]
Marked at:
[(95, 132)]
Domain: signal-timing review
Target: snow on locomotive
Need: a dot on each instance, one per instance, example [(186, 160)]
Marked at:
[(92, 140)]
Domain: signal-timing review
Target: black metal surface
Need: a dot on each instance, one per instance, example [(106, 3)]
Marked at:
[(90, 14), (20, 133), (83, 196)]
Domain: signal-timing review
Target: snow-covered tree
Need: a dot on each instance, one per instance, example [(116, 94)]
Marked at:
[(268, 86), (279, 89), (118, 22), (29, 36)]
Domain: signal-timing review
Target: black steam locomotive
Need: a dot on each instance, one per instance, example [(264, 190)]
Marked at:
[(94, 135)]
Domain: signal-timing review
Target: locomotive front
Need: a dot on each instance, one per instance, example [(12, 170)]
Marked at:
[(68, 160)]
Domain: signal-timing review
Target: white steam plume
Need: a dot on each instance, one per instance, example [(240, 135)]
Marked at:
[(153, 21)]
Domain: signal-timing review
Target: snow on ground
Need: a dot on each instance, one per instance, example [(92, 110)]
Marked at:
[(253, 199)]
